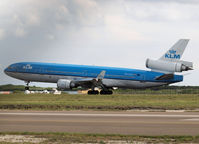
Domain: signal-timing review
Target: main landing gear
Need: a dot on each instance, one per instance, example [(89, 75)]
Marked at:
[(93, 92), (108, 92), (102, 92)]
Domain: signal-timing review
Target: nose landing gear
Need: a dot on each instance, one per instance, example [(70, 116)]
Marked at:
[(27, 85)]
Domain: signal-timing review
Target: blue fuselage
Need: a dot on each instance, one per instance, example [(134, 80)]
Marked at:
[(52, 72)]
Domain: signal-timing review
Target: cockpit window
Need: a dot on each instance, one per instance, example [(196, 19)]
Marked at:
[(9, 67), (12, 67)]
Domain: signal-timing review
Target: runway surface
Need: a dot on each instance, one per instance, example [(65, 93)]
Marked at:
[(134, 123)]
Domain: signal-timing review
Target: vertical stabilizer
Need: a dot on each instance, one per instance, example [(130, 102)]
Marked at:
[(175, 52)]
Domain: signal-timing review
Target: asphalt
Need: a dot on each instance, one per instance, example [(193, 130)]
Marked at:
[(133, 123)]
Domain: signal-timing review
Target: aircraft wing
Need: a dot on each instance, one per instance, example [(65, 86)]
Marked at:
[(91, 82)]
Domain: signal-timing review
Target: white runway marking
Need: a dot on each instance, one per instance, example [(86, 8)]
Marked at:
[(102, 115), (193, 119)]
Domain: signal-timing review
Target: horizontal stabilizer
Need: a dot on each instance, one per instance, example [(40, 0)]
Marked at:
[(187, 64), (165, 77)]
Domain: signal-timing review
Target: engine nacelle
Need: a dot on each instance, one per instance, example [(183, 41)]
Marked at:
[(65, 84), (167, 66)]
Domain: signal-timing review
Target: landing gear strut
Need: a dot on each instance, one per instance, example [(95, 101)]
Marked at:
[(27, 85)]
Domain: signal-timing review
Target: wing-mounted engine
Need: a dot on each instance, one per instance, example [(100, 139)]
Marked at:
[(65, 84), (88, 82), (168, 66)]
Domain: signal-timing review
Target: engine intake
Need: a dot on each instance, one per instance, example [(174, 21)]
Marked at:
[(65, 84), (167, 66)]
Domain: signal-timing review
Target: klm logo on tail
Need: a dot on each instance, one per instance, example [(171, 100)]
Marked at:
[(172, 55)]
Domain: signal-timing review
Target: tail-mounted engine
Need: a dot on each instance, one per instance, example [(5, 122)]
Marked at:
[(168, 66)]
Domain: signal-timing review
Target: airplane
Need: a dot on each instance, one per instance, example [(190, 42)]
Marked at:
[(68, 76)]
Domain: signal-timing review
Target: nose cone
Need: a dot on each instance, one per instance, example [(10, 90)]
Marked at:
[(6, 71), (10, 71)]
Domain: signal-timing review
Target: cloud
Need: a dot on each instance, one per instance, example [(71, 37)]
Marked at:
[(33, 20), (19, 17), (168, 1), (20, 32), (121, 29), (2, 34), (50, 36), (114, 32), (80, 13), (162, 10)]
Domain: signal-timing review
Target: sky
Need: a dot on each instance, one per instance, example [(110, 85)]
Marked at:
[(119, 33)]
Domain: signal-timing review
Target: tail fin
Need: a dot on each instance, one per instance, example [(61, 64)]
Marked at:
[(175, 52), (170, 62)]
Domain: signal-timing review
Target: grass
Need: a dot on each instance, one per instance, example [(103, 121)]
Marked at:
[(99, 102), (104, 138)]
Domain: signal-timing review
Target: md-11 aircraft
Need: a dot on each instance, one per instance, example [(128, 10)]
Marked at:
[(68, 76)]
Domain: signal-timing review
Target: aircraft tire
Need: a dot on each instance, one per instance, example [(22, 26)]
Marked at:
[(95, 92), (109, 92), (26, 88)]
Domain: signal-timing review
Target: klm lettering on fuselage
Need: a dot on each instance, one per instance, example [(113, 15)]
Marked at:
[(28, 66), (172, 55)]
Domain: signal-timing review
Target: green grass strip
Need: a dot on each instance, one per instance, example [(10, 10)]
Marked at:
[(99, 102), (104, 138)]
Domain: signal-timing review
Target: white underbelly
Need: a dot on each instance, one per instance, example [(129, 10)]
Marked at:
[(130, 83), (107, 82)]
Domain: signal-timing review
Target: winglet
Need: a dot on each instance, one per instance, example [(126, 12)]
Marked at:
[(101, 75)]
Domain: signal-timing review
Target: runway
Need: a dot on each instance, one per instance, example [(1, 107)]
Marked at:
[(134, 123)]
